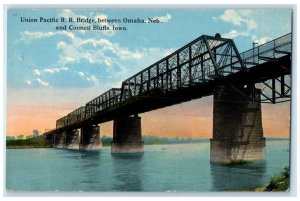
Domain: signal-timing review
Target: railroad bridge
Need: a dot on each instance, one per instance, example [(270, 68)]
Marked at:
[(209, 65)]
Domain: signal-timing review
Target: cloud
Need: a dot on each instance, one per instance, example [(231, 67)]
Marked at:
[(117, 62), (37, 72), (28, 36), (43, 83), (28, 82), (61, 45), (92, 78), (81, 74), (67, 13), (55, 70), (95, 51), (69, 60), (262, 40), (245, 12), (237, 17), (102, 16), (37, 81), (233, 33), (232, 16), (162, 19), (251, 24), (165, 18), (109, 32)]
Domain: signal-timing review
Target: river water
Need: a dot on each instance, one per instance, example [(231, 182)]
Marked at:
[(162, 168)]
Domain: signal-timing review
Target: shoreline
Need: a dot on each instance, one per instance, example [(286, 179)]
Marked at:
[(27, 147), (108, 144)]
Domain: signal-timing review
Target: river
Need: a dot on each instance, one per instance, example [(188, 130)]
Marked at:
[(162, 168)]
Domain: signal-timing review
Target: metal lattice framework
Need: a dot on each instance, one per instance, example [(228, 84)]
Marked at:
[(105, 102), (275, 89), (269, 51), (205, 60), (62, 122), (76, 116)]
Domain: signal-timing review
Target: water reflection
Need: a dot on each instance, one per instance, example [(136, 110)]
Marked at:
[(238, 177), (89, 166), (82, 159), (80, 155), (128, 169), (92, 155)]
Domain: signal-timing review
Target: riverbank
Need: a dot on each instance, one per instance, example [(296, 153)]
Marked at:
[(278, 183), (106, 141), (27, 144), (154, 140), (27, 147)]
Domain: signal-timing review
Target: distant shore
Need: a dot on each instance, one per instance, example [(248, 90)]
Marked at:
[(106, 142), (27, 147), (32, 143)]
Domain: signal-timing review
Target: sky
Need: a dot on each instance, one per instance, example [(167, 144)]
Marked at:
[(52, 72)]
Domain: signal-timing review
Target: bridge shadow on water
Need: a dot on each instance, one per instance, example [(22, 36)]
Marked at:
[(245, 177), (128, 169), (80, 154)]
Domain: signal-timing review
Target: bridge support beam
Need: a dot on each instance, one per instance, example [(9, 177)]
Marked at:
[(90, 138), (127, 135), (237, 126)]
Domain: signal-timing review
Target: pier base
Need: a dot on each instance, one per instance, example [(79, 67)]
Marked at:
[(60, 140), (127, 135), (237, 126), (73, 139), (90, 138)]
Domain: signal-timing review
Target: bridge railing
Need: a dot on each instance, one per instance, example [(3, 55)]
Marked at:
[(268, 51), (273, 90)]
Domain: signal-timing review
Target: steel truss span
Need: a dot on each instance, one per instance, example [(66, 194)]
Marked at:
[(191, 72)]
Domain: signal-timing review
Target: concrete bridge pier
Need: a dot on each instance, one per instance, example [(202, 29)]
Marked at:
[(60, 140), (90, 138), (73, 139), (237, 126), (127, 135), (50, 140)]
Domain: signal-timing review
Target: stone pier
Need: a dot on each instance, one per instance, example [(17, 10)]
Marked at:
[(60, 140), (127, 135), (73, 139), (90, 138), (237, 126)]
